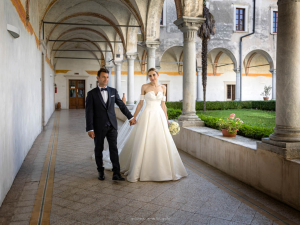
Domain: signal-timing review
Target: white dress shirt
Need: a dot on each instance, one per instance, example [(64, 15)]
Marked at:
[(104, 94), (105, 98)]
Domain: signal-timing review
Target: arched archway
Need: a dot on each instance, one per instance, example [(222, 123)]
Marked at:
[(255, 54)]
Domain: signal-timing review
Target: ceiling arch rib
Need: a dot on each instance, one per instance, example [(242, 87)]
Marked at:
[(92, 43), (91, 15), (214, 66), (136, 13), (78, 38), (249, 62), (84, 47), (63, 56), (89, 30)]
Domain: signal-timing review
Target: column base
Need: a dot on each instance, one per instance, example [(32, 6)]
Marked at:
[(190, 120), (289, 150)]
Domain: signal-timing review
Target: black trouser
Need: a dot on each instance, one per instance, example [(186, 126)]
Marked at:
[(111, 134)]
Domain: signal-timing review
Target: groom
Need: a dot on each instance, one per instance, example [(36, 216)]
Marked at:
[(101, 122)]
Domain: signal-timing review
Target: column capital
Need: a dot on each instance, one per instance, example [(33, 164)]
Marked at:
[(131, 55), (273, 71), (152, 44), (158, 68), (118, 63), (199, 69), (186, 23), (109, 67), (236, 70)]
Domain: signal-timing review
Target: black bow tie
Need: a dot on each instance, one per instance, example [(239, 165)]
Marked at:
[(103, 89)]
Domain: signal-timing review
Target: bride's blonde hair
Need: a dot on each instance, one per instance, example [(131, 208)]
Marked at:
[(153, 69)]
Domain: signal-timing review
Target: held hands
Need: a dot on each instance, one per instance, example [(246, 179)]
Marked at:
[(133, 121), (91, 134)]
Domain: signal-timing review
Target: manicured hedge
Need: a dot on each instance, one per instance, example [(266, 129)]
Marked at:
[(219, 105), (173, 113)]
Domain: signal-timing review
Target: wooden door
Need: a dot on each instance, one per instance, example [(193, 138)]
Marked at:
[(76, 94), (166, 91), (230, 92)]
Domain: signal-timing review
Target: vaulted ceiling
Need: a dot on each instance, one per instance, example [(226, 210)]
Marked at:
[(123, 23)]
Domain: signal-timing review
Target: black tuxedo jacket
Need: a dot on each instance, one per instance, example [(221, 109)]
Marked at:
[(97, 113)]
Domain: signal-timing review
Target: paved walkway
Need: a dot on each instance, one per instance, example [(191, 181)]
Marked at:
[(58, 184)]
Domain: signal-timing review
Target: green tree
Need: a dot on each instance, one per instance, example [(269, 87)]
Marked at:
[(205, 31)]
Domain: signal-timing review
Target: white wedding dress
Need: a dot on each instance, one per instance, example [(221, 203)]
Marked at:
[(149, 153)]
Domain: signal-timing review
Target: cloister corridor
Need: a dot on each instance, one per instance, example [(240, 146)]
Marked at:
[(60, 160)]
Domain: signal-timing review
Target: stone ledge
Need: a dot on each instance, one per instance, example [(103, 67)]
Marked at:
[(238, 140), (244, 159)]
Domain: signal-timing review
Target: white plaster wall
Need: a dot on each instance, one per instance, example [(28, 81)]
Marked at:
[(49, 92), (20, 102), (252, 86)]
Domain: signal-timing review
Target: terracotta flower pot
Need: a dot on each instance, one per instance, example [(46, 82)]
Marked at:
[(227, 134), (266, 98), (124, 99)]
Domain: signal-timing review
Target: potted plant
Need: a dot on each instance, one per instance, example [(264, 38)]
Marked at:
[(266, 92), (230, 126)]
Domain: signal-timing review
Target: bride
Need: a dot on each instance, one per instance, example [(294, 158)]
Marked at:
[(147, 151)]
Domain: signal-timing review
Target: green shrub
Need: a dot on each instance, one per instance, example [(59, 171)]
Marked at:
[(222, 105), (264, 105), (173, 113), (174, 105)]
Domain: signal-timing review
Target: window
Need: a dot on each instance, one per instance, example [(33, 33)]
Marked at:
[(240, 16), (163, 17), (230, 92), (240, 19), (275, 21)]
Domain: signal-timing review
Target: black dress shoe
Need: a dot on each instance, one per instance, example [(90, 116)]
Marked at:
[(117, 176), (101, 175)]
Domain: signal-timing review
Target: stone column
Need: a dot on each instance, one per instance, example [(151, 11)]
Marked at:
[(109, 68), (130, 78), (273, 84), (237, 85), (118, 77), (189, 27), (151, 48), (199, 84), (286, 138)]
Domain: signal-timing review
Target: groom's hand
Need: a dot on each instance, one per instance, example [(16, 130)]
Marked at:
[(91, 134)]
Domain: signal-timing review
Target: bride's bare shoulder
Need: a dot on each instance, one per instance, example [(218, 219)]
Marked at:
[(144, 88)]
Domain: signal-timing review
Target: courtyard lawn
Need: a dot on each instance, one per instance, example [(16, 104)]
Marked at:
[(257, 123), (252, 117)]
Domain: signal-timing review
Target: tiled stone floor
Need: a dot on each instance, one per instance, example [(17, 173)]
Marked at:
[(206, 196)]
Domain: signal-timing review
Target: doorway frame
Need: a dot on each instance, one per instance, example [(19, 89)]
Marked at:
[(168, 87), (225, 88), (75, 77)]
